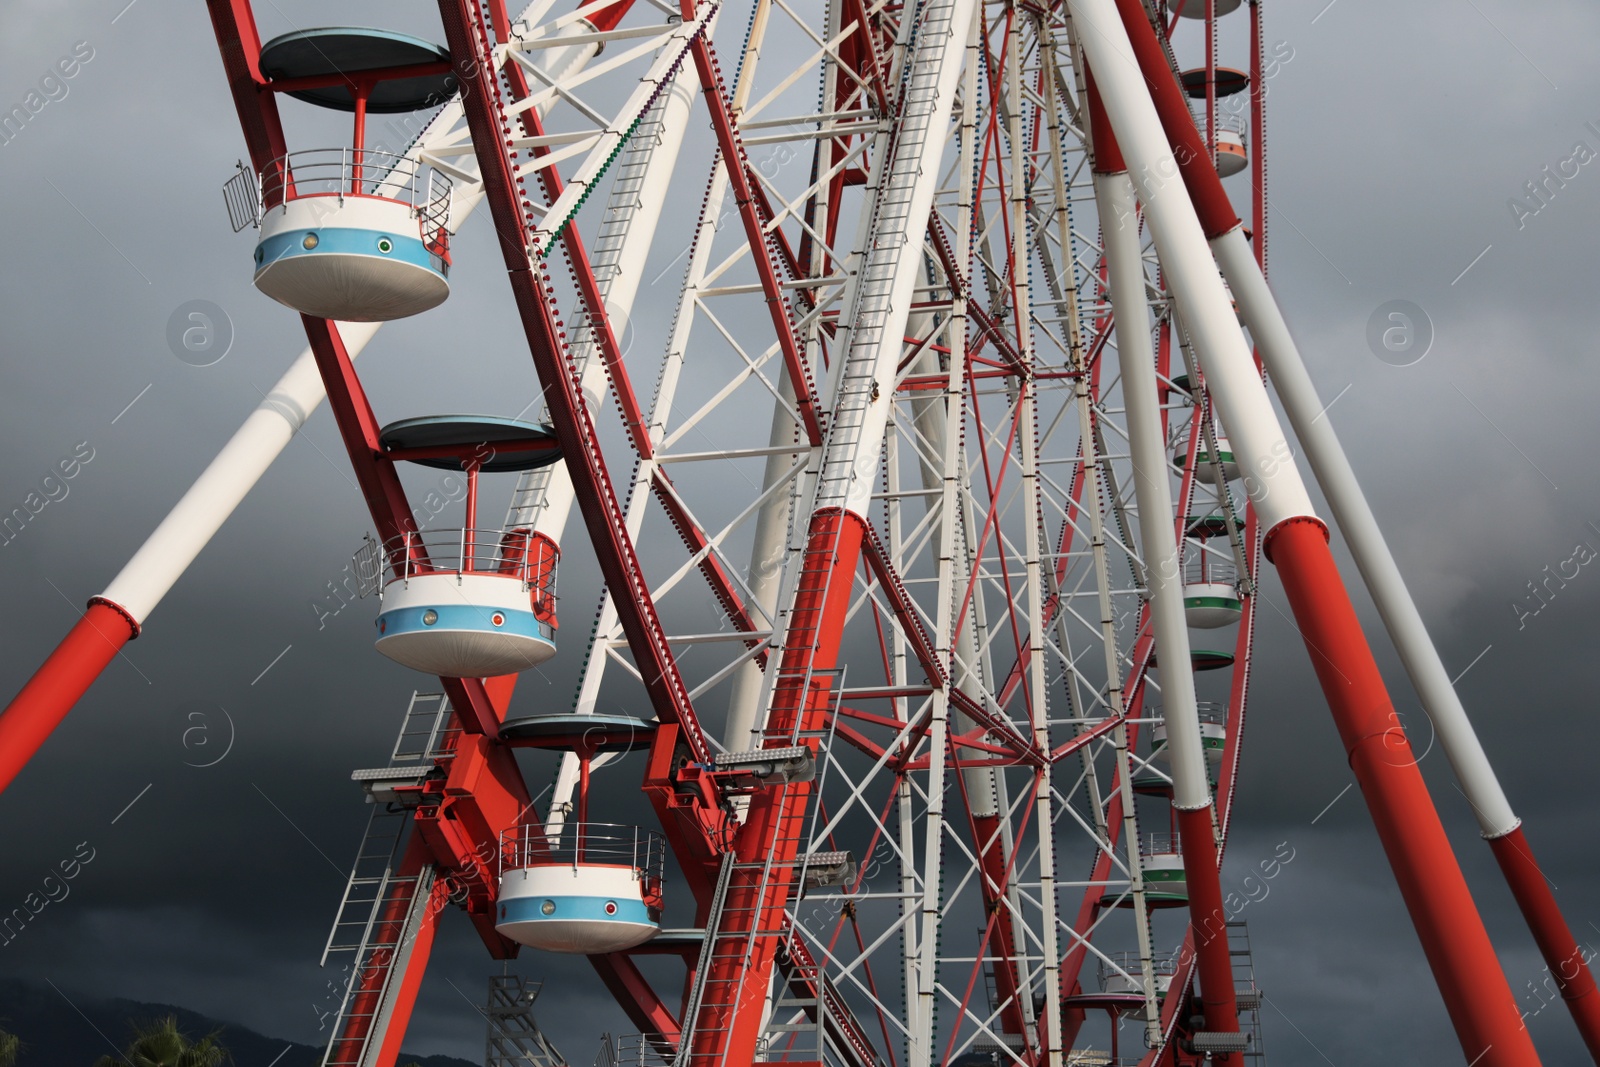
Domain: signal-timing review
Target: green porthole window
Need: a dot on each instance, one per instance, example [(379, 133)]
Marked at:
[(385, 245)]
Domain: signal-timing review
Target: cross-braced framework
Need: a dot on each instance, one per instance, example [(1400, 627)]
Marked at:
[(931, 514), (999, 659)]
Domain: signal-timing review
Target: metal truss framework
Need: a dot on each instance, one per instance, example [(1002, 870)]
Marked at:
[(893, 429)]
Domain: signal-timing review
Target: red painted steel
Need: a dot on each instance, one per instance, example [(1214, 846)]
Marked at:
[(240, 44), (1211, 201), (389, 931), (722, 584), (644, 1008), (570, 411), (1209, 924), (1562, 955), (1446, 919), (35, 712), (738, 168), (730, 1018), (411, 980), (691, 838), (380, 484), (1217, 217), (1258, 140), (574, 425)]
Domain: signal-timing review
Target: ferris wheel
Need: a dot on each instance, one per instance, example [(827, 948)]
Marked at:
[(957, 417)]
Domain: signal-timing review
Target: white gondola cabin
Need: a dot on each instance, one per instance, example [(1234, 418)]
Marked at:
[(1204, 468), (582, 888), (579, 886), (355, 234), (1229, 108), (1213, 735), (1210, 586), (469, 602)]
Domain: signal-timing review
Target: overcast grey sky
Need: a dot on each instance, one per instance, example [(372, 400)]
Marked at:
[(1398, 136)]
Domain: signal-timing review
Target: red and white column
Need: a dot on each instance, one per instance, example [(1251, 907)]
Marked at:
[(1457, 946)]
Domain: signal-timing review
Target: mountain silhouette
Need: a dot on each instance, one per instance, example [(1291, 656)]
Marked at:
[(55, 1034)]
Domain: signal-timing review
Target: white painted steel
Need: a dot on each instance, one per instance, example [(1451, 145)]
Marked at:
[(200, 513), (1119, 227), (891, 263), (618, 289), (548, 491), (223, 485), (1271, 479), (1360, 528), (465, 641)]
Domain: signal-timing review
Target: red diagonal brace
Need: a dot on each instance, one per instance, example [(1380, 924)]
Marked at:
[(574, 426), (733, 156)]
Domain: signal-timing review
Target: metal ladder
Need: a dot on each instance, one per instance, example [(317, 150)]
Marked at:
[(891, 230), (806, 989), (1246, 993), (515, 1039), (371, 876), (377, 919), (733, 934), (427, 731), (381, 909), (622, 202)]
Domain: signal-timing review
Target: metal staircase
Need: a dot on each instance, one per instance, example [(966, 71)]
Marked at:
[(376, 924), (735, 937), (807, 1003), (807, 1021)]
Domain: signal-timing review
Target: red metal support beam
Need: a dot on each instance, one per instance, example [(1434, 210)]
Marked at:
[(380, 484), (362, 1010), (240, 44), (405, 1000), (604, 339), (1464, 964), (644, 1008), (354, 79), (1565, 960), (730, 1018), (737, 164), (1217, 217), (894, 591), (574, 425), (60, 681)]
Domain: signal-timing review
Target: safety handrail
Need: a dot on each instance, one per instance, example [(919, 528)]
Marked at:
[(588, 844), (1203, 565), (360, 172), (1118, 964), (1211, 711), (1227, 119), (1162, 844), (517, 552)]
